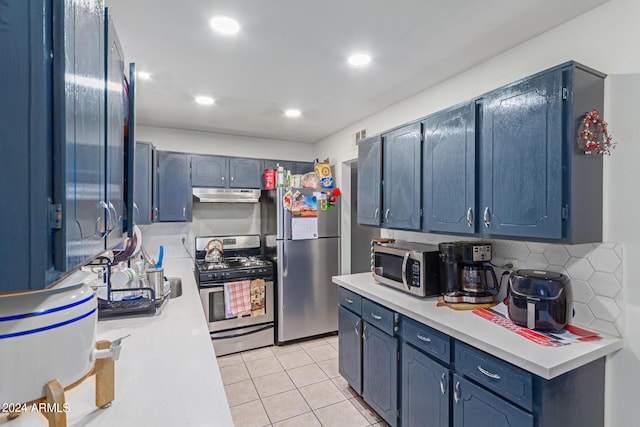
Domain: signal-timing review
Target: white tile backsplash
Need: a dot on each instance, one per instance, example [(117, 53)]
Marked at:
[(595, 270)]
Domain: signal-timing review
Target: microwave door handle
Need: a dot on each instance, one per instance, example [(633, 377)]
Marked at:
[(405, 259)]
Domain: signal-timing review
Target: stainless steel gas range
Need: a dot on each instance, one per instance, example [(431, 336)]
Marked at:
[(236, 290)]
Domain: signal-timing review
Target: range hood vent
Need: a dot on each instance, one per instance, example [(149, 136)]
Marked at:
[(226, 195)]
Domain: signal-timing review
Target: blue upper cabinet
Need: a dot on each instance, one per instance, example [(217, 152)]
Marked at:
[(369, 181), (209, 171), (534, 181), (25, 145), (79, 130), (114, 135), (245, 173), (449, 171), (521, 143), (143, 183), (301, 168), (175, 198), (402, 174)]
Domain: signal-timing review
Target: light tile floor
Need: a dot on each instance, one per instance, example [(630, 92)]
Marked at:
[(297, 385)]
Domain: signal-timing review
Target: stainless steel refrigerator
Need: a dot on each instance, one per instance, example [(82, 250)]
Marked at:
[(306, 254)]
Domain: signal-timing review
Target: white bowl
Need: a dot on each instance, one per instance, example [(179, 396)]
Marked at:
[(45, 335)]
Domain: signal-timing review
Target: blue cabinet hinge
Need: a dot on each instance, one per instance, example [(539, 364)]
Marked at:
[(55, 216), (565, 212), (565, 93)]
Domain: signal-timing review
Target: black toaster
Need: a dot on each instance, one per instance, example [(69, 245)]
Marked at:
[(539, 299)]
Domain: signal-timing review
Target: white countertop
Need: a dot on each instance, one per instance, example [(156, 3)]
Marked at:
[(547, 362), (167, 374)]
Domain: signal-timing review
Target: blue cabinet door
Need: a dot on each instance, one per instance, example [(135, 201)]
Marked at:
[(474, 406), (244, 173), (350, 348), (143, 190), (449, 171), (380, 373), (114, 131), (174, 187), (25, 145), (369, 181), (209, 171), (273, 164), (79, 144), (402, 175), (301, 168), (521, 146), (425, 390)]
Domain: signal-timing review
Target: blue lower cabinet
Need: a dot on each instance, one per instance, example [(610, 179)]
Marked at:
[(350, 348), (380, 373), (474, 406), (425, 390)]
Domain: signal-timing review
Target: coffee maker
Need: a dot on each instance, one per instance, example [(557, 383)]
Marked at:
[(465, 272)]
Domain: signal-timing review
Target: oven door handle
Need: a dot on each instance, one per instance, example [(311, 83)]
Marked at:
[(241, 334), (405, 260)]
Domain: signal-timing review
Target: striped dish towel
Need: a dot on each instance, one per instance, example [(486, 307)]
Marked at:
[(237, 297)]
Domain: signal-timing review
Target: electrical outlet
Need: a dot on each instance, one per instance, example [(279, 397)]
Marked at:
[(511, 264)]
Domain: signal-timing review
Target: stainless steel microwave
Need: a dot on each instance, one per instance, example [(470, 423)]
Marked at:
[(408, 266)]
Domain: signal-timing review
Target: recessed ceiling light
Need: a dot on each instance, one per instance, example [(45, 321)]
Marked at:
[(359, 59), (224, 25), (204, 100), (144, 75), (292, 113)]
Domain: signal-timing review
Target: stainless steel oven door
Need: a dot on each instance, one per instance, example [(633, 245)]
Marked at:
[(392, 267), (212, 298)]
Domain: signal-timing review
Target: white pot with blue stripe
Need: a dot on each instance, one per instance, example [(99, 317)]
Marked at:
[(45, 335)]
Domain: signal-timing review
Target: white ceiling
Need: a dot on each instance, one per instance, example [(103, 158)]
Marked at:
[(292, 54)]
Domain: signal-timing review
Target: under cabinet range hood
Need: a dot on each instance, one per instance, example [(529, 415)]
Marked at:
[(226, 195)]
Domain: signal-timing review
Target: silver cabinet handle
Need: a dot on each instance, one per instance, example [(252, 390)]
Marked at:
[(423, 338), (375, 214), (157, 214), (223, 179), (405, 260), (107, 221), (136, 212), (488, 374), (375, 316), (358, 328), (364, 332), (456, 392), (469, 217), (231, 179), (184, 212), (487, 217), (349, 301), (386, 215), (114, 220), (443, 384)]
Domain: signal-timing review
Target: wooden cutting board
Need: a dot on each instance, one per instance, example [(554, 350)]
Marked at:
[(463, 305)]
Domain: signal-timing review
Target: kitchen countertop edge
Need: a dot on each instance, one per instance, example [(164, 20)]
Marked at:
[(546, 362)]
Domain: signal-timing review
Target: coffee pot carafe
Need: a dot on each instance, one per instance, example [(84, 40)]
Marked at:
[(474, 279)]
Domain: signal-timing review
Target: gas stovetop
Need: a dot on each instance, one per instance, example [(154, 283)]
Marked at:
[(241, 260)]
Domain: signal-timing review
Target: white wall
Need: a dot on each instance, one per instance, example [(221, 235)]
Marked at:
[(606, 39), (189, 141)]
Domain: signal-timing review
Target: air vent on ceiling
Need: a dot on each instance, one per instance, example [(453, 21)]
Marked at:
[(360, 135)]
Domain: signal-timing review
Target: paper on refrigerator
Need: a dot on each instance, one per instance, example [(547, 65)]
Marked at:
[(303, 228)]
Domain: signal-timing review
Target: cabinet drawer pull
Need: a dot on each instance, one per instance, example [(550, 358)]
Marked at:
[(358, 328), (349, 301), (375, 316), (469, 217), (487, 217), (443, 384), (488, 374), (456, 392), (423, 338), (375, 214), (386, 215)]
